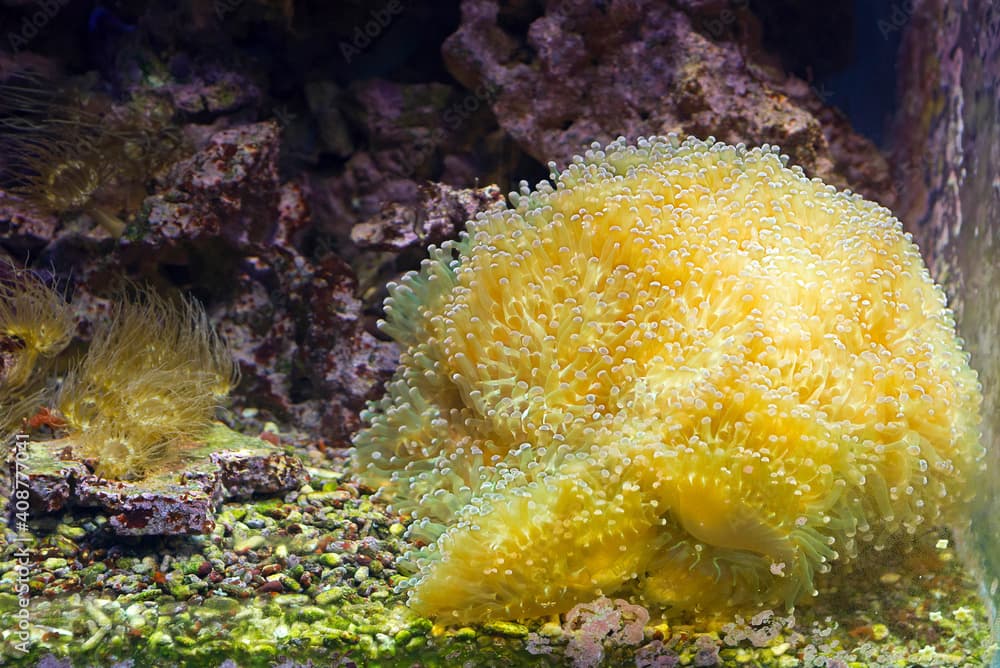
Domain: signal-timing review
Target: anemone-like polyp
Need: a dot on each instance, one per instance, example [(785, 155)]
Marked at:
[(680, 372)]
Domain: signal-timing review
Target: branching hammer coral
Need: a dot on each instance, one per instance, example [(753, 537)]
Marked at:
[(149, 383), (36, 324), (681, 373)]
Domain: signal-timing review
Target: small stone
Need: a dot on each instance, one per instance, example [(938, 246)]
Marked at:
[(361, 574), (53, 563), (329, 595), (64, 546), (181, 591), (396, 529), (310, 614), (146, 565), (294, 601), (250, 543), (160, 639), (880, 631), (223, 604), (8, 602), (136, 621), (304, 546), (507, 629), (271, 586), (890, 578), (780, 648), (92, 642), (71, 532), (290, 583)]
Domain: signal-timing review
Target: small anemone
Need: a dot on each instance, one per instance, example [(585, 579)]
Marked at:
[(36, 324), (149, 384), (64, 156)]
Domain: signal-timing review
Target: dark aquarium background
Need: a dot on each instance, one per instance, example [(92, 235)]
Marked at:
[(266, 168)]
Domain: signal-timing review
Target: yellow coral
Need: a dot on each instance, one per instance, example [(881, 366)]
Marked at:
[(149, 383), (36, 324), (684, 373)]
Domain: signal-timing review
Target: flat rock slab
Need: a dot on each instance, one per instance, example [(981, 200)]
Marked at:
[(182, 500)]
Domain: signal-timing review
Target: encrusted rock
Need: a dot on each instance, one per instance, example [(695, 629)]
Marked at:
[(438, 215), (343, 360), (593, 71), (213, 93), (228, 465), (23, 229), (228, 190)]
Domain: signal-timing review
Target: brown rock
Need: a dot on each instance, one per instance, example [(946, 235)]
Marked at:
[(590, 72), (228, 465)]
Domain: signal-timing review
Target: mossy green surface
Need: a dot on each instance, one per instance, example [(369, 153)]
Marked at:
[(202, 600)]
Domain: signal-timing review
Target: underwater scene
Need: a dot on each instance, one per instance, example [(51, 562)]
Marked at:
[(489, 333)]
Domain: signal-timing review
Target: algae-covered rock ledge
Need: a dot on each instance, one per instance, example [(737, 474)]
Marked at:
[(227, 465)]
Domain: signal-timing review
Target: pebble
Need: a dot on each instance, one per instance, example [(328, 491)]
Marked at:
[(71, 532), (890, 578), (250, 543), (328, 596), (160, 639), (507, 629)]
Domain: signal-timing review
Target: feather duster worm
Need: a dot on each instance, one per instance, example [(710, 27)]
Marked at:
[(36, 324), (149, 384)]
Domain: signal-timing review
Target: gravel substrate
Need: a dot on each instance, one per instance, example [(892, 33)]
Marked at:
[(310, 578)]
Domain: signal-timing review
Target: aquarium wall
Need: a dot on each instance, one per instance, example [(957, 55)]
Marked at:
[(948, 164)]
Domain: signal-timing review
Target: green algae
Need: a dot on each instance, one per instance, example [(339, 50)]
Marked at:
[(187, 608)]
